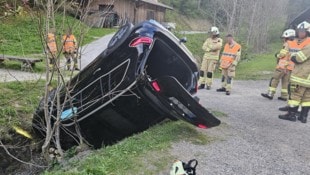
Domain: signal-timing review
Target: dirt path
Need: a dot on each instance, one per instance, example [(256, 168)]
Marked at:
[(251, 139)]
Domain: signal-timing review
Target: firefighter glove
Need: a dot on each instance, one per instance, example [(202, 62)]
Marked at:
[(235, 63)]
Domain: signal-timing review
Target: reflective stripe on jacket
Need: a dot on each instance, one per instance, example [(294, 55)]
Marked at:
[(296, 45), (69, 43), (229, 55), (301, 74)]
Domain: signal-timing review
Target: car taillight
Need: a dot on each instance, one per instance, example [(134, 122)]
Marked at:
[(196, 88), (155, 86), (140, 40), (202, 126)]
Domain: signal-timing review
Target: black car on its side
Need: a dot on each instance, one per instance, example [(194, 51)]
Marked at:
[(144, 76)]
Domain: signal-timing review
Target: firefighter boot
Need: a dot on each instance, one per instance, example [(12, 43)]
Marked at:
[(303, 114), (285, 108), (222, 89), (202, 86), (268, 95), (209, 80), (290, 115), (282, 98)]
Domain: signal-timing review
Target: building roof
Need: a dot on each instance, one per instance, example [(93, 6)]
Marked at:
[(154, 2)]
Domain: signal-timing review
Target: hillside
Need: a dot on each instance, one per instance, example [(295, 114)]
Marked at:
[(185, 23)]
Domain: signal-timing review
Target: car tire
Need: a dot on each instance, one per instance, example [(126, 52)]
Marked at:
[(119, 37)]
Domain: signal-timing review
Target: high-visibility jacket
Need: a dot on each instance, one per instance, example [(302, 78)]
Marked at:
[(284, 56), (294, 46), (51, 42), (69, 43), (230, 54), (212, 48), (301, 74)]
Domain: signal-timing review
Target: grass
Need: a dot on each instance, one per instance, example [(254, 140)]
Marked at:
[(19, 36), (259, 67), (144, 153), (18, 101), (252, 67)]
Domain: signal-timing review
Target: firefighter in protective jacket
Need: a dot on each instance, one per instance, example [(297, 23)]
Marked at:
[(295, 46), (300, 80), (70, 50), (229, 60), (283, 68), (51, 48), (212, 47)]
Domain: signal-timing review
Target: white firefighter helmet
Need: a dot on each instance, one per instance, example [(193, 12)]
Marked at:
[(214, 30), (289, 33), (304, 25)]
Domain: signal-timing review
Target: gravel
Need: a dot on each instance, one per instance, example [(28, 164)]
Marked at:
[(7, 75), (251, 139)]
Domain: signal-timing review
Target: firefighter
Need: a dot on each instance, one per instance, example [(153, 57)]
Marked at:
[(69, 50), (283, 68), (295, 46), (300, 82), (229, 60), (212, 47), (52, 48)]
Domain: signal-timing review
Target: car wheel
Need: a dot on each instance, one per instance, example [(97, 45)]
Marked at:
[(119, 37)]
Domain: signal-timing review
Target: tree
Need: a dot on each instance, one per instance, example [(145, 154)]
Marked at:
[(251, 21)]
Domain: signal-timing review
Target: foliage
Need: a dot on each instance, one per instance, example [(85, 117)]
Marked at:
[(129, 156), (252, 22), (184, 7)]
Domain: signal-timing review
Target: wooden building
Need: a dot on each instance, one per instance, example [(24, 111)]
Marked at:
[(108, 13)]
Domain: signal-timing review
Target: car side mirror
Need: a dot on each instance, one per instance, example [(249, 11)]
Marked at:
[(183, 40)]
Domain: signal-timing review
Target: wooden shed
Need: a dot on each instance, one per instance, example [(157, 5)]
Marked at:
[(108, 13)]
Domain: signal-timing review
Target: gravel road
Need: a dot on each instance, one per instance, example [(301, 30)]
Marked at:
[(251, 138)]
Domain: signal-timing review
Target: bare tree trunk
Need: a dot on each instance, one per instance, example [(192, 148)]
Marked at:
[(49, 135), (198, 4), (232, 18), (251, 24)]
